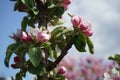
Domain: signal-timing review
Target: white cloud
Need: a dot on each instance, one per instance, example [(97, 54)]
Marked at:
[(105, 18)]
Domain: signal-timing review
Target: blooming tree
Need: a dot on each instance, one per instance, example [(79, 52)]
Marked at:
[(45, 39), (85, 68)]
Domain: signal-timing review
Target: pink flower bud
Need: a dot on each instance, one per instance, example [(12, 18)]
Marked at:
[(24, 36), (16, 59), (67, 2), (43, 37), (88, 33), (76, 20), (85, 25), (14, 66), (61, 70)]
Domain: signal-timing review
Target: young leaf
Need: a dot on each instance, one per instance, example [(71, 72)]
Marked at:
[(80, 42), (11, 48), (90, 45), (17, 4), (24, 23), (35, 55), (115, 57)]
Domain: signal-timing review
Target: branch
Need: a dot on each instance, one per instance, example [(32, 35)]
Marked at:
[(51, 66)]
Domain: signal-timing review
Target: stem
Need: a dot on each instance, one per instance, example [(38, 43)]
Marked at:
[(42, 13), (42, 22)]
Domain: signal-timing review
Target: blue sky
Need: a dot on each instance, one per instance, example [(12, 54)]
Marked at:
[(103, 14)]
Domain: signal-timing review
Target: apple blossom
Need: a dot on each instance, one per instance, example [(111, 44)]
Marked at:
[(33, 32), (114, 75), (17, 35)]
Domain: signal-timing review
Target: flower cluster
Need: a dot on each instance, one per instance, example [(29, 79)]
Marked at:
[(31, 35), (86, 68), (46, 49), (81, 25)]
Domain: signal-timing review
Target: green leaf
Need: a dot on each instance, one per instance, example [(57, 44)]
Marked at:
[(39, 70), (17, 4), (58, 11), (18, 76), (90, 45), (24, 23), (11, 48), (35, 55), (29, 3), (80, 42)]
